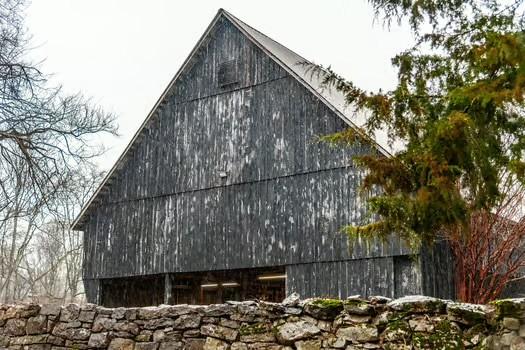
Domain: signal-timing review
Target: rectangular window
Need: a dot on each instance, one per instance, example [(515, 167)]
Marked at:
[(228, 73)]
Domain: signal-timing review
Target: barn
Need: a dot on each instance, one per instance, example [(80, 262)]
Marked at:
[(224, 192)]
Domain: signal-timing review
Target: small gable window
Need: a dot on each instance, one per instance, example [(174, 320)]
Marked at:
[(228, 73)]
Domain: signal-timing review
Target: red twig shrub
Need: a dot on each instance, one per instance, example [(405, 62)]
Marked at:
[(490, 251)]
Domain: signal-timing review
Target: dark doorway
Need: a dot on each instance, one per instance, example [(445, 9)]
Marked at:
[(132, 291), (209, 287)]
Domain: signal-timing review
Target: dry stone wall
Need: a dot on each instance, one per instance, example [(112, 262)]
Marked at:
[(374, 323)]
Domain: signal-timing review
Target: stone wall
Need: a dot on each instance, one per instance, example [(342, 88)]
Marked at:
[(374, 323)]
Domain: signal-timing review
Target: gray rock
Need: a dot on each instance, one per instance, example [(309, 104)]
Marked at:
[(158, 336), (29, 339), (511, 323), (215, 344), (70, 312), (121, 344), (357, 306), (127, 326), (417, 304), (86, 316), (156, 323), (103, 324), (266, 346), (292, 300), (36, 325), (118, 313), (467, 314), (361, 333), (208, 319), (144, 336), (421, 324), (193, 344), (72, 333), (217, 310), (192, 333), (50, 309), (219, 332), (98, 340), (332, 341), (324, 309), (229, 323), (178, 310), (293, 310), (27, 310), (345, 319), (265, 337), (146, 346), (290, 332), (308, 344), (239, 346), (171, 345), (187, 322), (148, 313), (15, 326)]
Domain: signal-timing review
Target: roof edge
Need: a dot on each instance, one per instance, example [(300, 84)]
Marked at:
[(77, 224)]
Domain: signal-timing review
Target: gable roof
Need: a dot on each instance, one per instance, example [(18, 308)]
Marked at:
[(294, 64)]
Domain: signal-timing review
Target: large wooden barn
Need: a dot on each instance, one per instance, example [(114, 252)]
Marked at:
[(224, 192)]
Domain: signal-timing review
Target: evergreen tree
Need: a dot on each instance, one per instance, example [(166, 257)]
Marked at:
[(458, 110)]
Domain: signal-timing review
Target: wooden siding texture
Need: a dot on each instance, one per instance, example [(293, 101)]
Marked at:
[(284, 199)]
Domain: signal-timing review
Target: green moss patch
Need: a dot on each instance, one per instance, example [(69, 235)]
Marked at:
[(445, 337), (507, 308), (325, 309), (257, 328)]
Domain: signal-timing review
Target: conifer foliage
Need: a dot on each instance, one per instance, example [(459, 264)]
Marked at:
[(458, 110)]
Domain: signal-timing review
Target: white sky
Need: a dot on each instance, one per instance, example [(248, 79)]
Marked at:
[(123, 53)]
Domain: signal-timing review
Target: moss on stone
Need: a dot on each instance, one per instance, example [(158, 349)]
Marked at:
[(467, 316), (328, 303), (325, 309), (445, 336), (356, 302), (506, 308), (257, 328)]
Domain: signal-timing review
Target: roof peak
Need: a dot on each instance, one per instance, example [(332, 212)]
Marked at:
[(296, 65)]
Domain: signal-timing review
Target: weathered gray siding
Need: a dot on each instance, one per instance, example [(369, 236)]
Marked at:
[(284, 199), (340, 279), (437, 271)]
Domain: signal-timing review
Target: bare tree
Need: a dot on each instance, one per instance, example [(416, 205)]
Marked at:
[(46, 140), (41, 127)]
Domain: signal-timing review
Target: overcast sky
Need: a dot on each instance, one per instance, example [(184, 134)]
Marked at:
[(124, 53)]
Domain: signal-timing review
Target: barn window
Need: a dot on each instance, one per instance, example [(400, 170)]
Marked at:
[(228, 73)]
